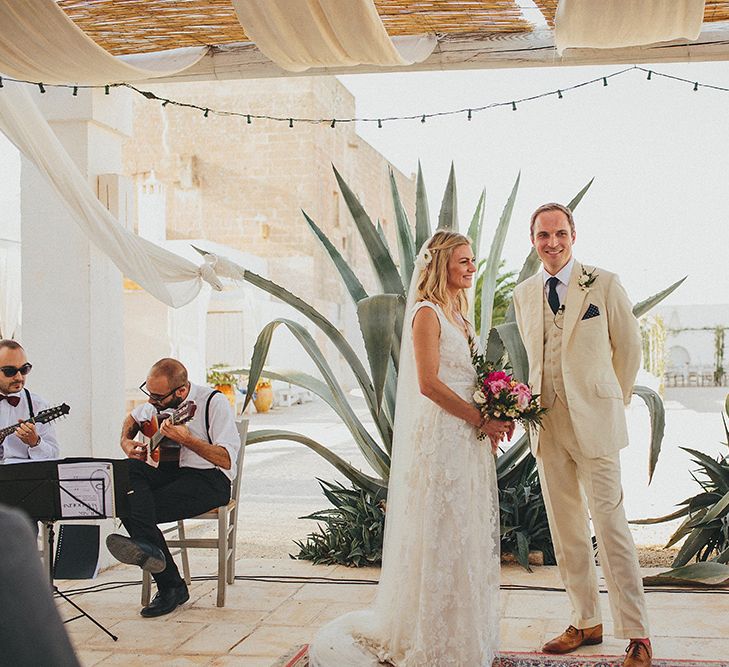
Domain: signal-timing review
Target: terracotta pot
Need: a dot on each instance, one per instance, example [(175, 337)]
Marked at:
[(263, 399), (228, 391)]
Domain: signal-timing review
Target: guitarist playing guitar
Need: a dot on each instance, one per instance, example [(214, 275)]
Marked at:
[(201, 430), (20, 407)]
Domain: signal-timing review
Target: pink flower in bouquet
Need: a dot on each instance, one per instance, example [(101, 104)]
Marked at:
[(497, 375), (523, 395), (496, 386)]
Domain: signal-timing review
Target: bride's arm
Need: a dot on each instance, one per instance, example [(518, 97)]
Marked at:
[(426, 334)]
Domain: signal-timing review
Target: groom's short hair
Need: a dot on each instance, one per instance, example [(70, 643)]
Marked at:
[(552, 206)]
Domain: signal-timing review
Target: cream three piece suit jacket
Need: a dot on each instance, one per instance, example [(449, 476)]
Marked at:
[(600, 355)]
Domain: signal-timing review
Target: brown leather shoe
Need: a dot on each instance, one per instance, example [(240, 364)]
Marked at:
[(573, 638), (638, 654)]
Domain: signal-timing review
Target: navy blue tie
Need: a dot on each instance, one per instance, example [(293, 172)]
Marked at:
[(552, 296)]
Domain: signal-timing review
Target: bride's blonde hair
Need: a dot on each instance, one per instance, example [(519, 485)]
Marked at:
[(433, 283)]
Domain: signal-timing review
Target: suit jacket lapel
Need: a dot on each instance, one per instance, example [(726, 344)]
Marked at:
[(573, 303), (535, 344)]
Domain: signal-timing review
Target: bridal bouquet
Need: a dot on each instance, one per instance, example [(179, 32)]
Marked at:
[(499, 396)]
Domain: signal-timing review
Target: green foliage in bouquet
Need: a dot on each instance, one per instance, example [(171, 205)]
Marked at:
[(354, 528), (381, 318)]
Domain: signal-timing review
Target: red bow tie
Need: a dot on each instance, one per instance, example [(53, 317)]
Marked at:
[(13, 400)]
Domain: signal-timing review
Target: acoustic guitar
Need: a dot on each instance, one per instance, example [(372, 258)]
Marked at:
[(162, 449), (43, 417)]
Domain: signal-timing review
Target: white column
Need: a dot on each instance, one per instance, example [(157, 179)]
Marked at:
[(72, 293)]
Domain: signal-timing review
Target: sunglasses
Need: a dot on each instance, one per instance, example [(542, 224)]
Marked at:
[(158, 398), (12, 371)]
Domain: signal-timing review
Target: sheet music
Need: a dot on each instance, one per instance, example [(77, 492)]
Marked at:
[(92, 484)]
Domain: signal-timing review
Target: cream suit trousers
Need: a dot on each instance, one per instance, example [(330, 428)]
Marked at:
[(568, 478)]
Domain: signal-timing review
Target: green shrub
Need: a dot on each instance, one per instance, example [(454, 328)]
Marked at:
[(354, 529)]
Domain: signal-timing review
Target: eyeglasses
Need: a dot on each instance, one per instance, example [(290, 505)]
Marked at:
[(158, 398), (12, 371)]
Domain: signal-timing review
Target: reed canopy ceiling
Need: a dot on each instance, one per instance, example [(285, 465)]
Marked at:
[(142, 26)]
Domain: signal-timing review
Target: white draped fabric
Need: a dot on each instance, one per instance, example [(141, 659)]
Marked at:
[(610, 24), (9, 289), (168, 277), (299, 34), (38, 42)]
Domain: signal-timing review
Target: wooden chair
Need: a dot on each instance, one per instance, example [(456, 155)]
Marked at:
[(227, 518)]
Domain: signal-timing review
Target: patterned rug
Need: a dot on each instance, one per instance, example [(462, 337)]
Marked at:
[(298, 657)]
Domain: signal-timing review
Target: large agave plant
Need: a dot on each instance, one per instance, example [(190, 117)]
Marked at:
[(381, 319), (706, 524)]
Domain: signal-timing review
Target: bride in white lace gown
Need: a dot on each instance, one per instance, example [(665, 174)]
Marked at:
[(437, 599)]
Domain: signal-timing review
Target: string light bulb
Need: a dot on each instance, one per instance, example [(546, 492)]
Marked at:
[(42, 89), (559, 95), (75, 91), (470, 115)]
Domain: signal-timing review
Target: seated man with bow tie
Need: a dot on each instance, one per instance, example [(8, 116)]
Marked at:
[(30, 441)]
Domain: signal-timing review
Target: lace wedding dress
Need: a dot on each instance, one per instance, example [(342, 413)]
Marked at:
[(437, 600)]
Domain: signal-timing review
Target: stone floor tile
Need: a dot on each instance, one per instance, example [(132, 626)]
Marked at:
[(145, 634), (216, 638), (519, 634), (296, 613), (336, 593), (535, 605), (273, 641), (685, 649), (138, 659), (344, 572), (242, 661), (547, 575), (290, 568), (335, 610), (89, 658), (206, 615), (252, 596), (692, 621)]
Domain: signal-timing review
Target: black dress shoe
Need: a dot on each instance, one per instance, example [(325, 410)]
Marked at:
[(136, 552), (166, 600)]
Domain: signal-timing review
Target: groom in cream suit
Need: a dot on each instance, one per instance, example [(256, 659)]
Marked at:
[(583, 345)]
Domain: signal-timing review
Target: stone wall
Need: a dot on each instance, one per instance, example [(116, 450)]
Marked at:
[(244, 185)]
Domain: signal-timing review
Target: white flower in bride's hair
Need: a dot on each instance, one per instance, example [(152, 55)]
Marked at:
[(427, 256), (479, 397)]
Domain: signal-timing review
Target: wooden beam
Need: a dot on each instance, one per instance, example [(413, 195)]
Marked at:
[(493, 51)]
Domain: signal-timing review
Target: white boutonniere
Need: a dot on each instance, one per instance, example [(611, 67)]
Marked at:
[(586, 279)]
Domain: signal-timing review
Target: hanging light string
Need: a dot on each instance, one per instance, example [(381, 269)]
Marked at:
[(468, 112)]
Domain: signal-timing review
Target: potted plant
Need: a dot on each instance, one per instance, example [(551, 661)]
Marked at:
[(263, 398), (223, 381)]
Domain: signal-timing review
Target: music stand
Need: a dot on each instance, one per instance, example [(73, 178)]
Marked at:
[(35, 488)]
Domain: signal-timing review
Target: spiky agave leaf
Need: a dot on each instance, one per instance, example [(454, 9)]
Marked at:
[(229, 269), (372, 452), (474, 233), (377, 318), (657, 413), (492, 264), (644, 306), (448, 216), (349, 278), (405, 241), (380, 258), (422, 214), (708, 573)]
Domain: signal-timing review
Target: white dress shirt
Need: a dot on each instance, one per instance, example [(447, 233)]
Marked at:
[(223, 431), (563, 276), (13, 446)]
